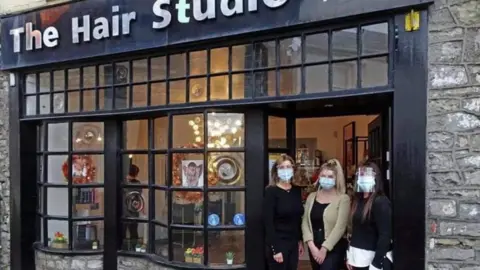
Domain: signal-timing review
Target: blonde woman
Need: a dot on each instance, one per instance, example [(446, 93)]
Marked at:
[(282, 212), (326, 217)]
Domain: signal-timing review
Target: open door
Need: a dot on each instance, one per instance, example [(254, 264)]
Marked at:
[(379, 146)]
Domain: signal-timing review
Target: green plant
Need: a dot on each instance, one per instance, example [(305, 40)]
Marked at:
[(229, 255), (59, 238)]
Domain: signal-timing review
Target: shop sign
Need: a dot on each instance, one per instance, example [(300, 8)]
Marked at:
[(103, 27)]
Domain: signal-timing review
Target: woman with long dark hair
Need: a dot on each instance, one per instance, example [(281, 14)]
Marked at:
[(370, 222), (282, 212)]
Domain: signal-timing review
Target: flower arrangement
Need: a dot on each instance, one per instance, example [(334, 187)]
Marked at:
[(85, 167), (59, 241), (197, 255), (188, 255), (229, 257)]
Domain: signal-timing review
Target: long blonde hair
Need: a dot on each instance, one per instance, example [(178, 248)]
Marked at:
[(274, 172), (335, 166)]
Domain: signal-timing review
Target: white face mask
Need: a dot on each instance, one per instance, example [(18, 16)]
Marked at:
[(285, 175)]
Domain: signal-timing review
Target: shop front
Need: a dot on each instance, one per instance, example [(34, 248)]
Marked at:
[(141, 132)]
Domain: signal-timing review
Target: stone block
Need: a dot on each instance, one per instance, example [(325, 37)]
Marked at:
[(445, 179), (472, 105), (467, 13), (446, 52), (472, 45), (440, 266), (471, 161), (447, 76), (455, 33), (459, 229), (469, 211), (459, 193), (462, 141), (440, 161), (439, 106), (443, 208), (441, 19), (457, 254), (440, 140), (472, 178), (474, 73), (461, 122), (464, 92)]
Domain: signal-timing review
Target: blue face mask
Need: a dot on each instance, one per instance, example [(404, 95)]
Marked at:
[(326, 183), (365, 184), (285, 175)]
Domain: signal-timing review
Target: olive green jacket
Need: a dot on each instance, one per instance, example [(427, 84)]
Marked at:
[(335, 219)]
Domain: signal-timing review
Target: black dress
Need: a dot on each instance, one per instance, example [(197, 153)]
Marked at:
[(282, 212), (335, 258)]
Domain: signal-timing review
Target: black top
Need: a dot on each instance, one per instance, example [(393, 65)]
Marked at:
[(373, 234), (127, 191), (316, 215), (282, 212)]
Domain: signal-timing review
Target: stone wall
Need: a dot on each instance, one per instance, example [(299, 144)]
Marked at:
[(453, 173), (4, 175)]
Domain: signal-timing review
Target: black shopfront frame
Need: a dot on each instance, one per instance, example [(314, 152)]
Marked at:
[(408, 160)]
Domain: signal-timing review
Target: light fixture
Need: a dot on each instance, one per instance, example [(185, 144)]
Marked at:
[(328, 105)]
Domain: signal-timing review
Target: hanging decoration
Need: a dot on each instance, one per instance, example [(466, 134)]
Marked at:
[(135, 202), (83, 169)]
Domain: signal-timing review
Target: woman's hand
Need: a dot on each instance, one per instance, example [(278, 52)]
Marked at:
[(314, 250), (301, 249), (322, 254), (278, 257), (349, 267)]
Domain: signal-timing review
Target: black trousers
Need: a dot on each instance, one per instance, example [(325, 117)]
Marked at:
[(335, 259), (132, 228), (360, 268), (290, 257)]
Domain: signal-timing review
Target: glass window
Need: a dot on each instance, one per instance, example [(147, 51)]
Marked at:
[(344, 43), (225, 130), (375, 38), (316, 47), (188, 131), (219, 60), (290, 51), (277, 132)]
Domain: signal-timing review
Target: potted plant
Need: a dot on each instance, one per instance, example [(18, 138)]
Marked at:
[(188, 255), (197, 255), (59, 241), (229, 257), (95, 245), (138, 248), (143, 249)]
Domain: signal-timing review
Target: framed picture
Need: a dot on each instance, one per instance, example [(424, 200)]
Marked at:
[(192, 173)]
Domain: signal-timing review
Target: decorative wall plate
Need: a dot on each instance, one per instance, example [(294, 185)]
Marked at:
[(134, 202), (227, 169)]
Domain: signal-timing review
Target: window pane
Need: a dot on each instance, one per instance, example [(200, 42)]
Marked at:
[(224, 244), (89, 80), (290, 81), (122, 97), (265, 54), (31, 83), (105, 75), (87, 169), (88, 136), (161, 241), (122, 73), (316, 79), (135, 236), (226, 208), (136, 169), (277, 132), (242, 57), (74, 101), (375, 38), (161, 170), (73, 78), (44, 82), (135, 202), (104, 102), (161, 206), (188, 171), (198, 63), (136, 134), (177, 92), (41, 195), (58, 80), (219, 88), (59, 103), (198, 90), (140, 70), (58, 137), (158, 68), (161, 132), (88, 202), (226, 169), (55, 227), (158, 94), (291, 51), (187, 208), (344, 43), (140, 95), (89, 100), (88, 235), (219, 60), (57, 169), (177, 65), (188, 130), (375, 72), (265, 83), (242, 86), (44, 104), (184, 240), (31, 105), (57, 202), (344, 75), (316, 47), (225, 130)]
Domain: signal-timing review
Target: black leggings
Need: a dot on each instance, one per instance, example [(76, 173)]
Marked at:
[(290, 258)]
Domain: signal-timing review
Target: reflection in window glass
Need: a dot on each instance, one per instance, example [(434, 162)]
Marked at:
[(161, 206), (290, 51), (161, 241), (88, 235), (316, 79), (74, 101), (136, 169), (158, 94), (198, 63), (57, 234), (375, 38), (140, 95), (226, 169), (219, 60), (88, 202), (74, 78), (344, 75), (58, 137), (177, 65), (44, 104), (219, 88), (122, 73), (134, 201), (158, 66), (188, 131), (105, 75), (277, 132), (140, 70), (86, 169), (198, 90), (177, 92), (58, 80), (59, 103), (136, 135), (161, 132), (225, 130), (134, 236), (44, 82), (187, 208), (242, 57), (88, 100), (31, 105), (54, 197), (265, 83), (87, 136), (228, 207), (160, 170), (221, 244), (183, 240), (316, 47), (375, 72), (264, 55), (31, 83), (89, 80), (344, 43), (290, 81)]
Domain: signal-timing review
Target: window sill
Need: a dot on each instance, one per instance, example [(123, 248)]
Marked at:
[(179, 265), (39, 246)]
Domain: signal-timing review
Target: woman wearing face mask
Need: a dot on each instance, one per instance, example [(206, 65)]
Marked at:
[(326, 218), (370, 223), (282, 212)]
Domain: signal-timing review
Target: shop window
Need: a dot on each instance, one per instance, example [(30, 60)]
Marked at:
[(316, 47), (71, 185), (277, 132)]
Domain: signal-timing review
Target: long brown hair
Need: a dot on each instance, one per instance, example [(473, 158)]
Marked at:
[(378, 191), (274, 173), (334, 166)]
